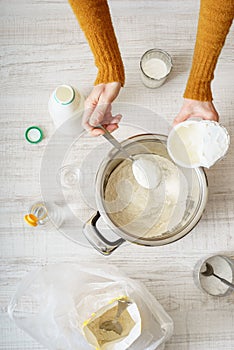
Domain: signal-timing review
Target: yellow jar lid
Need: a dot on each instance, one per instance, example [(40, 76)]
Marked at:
[(31, 219)]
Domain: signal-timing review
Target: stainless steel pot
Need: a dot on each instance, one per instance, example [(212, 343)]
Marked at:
[(195, 204)]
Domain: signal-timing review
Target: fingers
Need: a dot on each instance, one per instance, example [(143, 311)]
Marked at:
[(196, 109), (99, 114), (97, 120), (180, 118), (102, 115), (85, 119), (90, 105), (96, 132), (212, 116), (112, 119), (98, 108), (112, 126)]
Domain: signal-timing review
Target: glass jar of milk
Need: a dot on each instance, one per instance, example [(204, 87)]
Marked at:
[(66, 106), (155, 66)]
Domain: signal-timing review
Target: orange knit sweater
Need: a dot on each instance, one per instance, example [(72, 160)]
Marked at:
[(215, 20)]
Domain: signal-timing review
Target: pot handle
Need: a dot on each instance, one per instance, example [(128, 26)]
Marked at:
[(98, 241)]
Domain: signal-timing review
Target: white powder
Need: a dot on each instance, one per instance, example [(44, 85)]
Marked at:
[(155, 68), (143, 212), (221, 267), (146, 171)]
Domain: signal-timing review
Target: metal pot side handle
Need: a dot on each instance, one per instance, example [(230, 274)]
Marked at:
[(98, 241)]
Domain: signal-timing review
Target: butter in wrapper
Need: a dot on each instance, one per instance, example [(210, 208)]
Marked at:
[(101, 339)]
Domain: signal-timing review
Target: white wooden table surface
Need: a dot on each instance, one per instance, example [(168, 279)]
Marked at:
[(42, 47)]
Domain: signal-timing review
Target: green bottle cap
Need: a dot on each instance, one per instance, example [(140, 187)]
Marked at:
[(34, 134)]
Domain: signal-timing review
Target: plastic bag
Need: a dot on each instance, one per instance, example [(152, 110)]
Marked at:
[(52, 304)]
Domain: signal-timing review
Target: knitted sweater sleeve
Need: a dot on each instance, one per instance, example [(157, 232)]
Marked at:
[(215, 20), (95, 20)]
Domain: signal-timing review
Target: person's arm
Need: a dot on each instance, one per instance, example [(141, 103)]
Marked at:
[(95, 20), (215, 20)]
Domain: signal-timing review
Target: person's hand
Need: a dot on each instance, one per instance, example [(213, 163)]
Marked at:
[(194, 108), (98, 109)]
